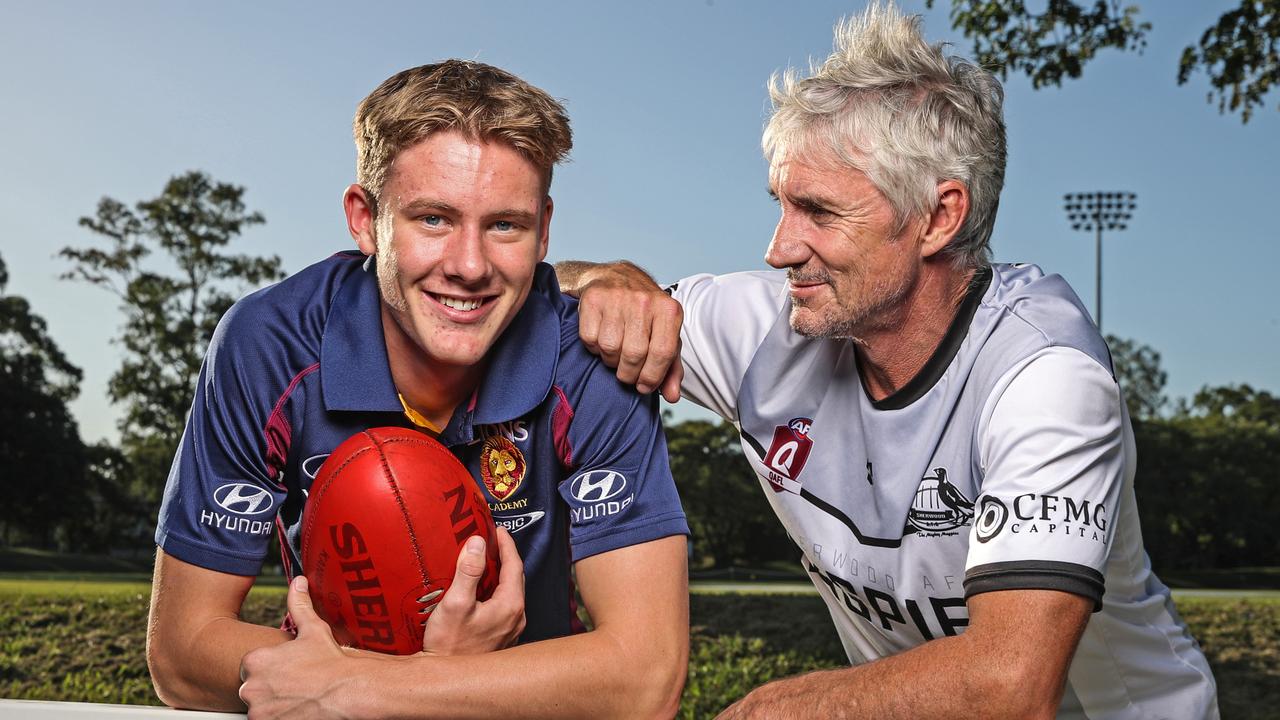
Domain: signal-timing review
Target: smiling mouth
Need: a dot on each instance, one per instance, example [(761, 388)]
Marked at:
[(460, 304)]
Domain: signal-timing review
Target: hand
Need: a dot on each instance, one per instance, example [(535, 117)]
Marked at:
[(626, 319), (307, 677), (462, 625)]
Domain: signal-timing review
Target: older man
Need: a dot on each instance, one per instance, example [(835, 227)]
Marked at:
[(944, 438)]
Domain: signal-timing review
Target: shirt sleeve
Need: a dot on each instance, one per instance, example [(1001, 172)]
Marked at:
[(221, 498), (1054, 456), (726, 318), (620, 491)]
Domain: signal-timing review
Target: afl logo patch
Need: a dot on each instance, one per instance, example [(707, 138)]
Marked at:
[(788, 453), (502, 466)]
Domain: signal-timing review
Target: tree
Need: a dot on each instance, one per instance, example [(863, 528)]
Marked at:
[(731, 521), (1140, 375), (171, 306), (42, 459), (1238, 53), (1239, 404)]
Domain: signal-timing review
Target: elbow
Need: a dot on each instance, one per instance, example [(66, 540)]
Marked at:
[(661, 685), (174, 684), (165, 678), (1023, 693)]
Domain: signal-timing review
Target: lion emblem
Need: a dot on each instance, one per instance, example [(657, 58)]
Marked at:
[(502, 466)]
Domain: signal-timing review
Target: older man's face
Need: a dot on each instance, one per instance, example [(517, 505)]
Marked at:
[(848, 269)]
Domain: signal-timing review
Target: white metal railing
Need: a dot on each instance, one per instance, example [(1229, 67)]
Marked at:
[(43, 710)]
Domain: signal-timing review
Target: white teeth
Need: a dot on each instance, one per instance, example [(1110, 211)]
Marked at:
[(457, 304)]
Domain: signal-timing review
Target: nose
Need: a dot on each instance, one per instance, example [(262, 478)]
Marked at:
[(466, 259), (787, 248)]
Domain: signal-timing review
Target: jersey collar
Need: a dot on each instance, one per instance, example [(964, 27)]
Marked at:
[(355, 374)]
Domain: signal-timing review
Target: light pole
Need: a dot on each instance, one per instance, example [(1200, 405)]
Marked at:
[(1093, 211)]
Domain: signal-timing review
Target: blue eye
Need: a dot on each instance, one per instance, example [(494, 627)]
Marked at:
[(432, 220), (504, 225)]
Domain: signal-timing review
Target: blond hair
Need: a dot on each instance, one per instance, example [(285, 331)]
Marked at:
[(480, 101)]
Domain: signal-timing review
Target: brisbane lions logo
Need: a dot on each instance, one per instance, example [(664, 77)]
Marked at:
[(501, 466)]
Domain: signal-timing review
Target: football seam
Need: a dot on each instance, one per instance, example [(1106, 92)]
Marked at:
[(395, 489), (315, 494)]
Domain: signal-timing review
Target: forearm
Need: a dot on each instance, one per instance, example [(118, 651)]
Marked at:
[(590, 675), (1011, 663), (202, 672), (573, 275)]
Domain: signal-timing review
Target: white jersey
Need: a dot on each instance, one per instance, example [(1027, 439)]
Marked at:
[(1006, 463)]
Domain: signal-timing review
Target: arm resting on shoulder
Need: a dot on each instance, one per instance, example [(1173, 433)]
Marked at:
[(195, 638), (632, 665), (629, 321), (1011, 662)]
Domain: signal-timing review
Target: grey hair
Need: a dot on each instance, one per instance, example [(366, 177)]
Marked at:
[(893, 107)]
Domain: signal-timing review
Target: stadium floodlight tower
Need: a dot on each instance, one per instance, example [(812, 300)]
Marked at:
[(1094, 211)]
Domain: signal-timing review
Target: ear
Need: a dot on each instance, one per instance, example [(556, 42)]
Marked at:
[(544, 232), (947, 217), (358, 207)]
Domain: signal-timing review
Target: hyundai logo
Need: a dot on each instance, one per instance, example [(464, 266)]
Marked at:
[(597, 485), (243, 499), (311, 466)]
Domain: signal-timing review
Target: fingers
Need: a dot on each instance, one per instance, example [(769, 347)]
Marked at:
[(671, 383), (300, 608), (467, 575), (511, 567), (660, 344), (589, 324)]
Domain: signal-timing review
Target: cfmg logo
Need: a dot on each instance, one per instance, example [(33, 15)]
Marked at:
[(243, 499), (597, 485)]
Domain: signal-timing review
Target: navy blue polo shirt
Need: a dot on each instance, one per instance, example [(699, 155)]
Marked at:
[(572, 462)]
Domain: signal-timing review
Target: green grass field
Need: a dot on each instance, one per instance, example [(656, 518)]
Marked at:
[(82, 639)]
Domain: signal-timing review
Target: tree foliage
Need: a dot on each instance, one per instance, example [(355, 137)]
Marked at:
[(1049, 45), (731, 521), (166, 262), (1240, 56), (48, 473), (1205, 481), (1238, 53), (1140, 375)]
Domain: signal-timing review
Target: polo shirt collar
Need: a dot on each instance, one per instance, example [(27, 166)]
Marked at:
[(522, 363), (355, 374)]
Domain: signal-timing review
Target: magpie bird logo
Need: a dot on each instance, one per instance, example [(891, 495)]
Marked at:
[(938, 506)]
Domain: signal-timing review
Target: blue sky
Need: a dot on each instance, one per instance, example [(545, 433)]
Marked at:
[(667, 101)]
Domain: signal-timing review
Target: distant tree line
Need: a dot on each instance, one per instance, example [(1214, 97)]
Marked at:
[(1204, 482)]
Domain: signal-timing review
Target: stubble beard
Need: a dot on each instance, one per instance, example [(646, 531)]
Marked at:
[(851, 317)]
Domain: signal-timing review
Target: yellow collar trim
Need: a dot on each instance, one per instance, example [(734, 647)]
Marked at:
[(416, 417)]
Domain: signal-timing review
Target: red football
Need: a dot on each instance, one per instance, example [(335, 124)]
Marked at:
[(384, 522)]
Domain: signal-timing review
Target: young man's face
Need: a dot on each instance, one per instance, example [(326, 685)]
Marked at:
[(461, 225)]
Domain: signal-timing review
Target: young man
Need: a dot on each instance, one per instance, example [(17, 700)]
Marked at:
[(943, 438), (446, 320)]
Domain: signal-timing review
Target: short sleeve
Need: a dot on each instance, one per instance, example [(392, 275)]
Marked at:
[(620, 491), (1052, 448), (726, 318), (221, 499)]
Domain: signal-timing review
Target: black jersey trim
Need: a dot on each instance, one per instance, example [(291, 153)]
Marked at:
[(938, 363), (827, 507), (1036, 575)]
